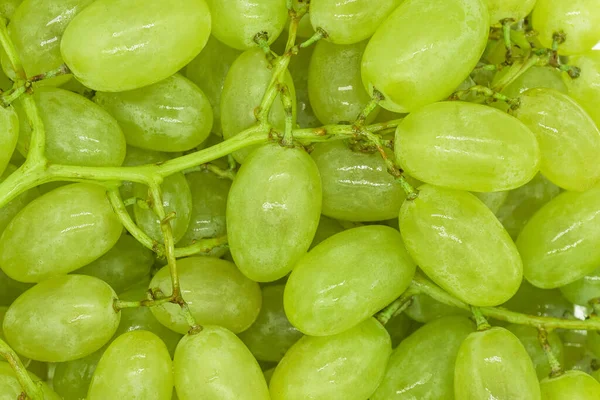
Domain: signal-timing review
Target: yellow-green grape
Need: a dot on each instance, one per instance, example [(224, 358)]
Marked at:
[(216, 293), (422, 366), (493, 364), (327, 227), (273, 211), (467, 146), (425, 309), (509, 9), (268, 375), (71, 379), (136, 365), (10, 388), (26, 361), (35, 326), (271, 335), (356, 185), (8, 211), (493, 200), (593, 342), (78, 132), (412, 64), (8, 7), (349, 365), (569, 140), (244, 87), (576, 20), (540, 302), (9, 124), (10, 289), (116, 54), (215, 365), (583, 290), (334, 83), (299, 69), (559, 243), (346, 279), (571, 385), (59, 232), (457, 241), (208, 71), (584, 89), (399, 327), (529, 339), (170, 115), (536, 77), (348, 22)]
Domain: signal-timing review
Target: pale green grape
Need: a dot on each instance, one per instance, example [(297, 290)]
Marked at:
[(493, 364), (72, 379), (134, 157), (62, 318), (569, 140), (572, 385), (135, 366), (8, 7), (349, 365), (541, 302), (273, 211), (299, 70), (577, 19), (334, 83), (529, 339), (457, 241), (10, 388), (170, 115), (424, 50), (422, 366), (59, 232), (350, 276), (559, 243), (348, 22), (536, 77), (583, 290), (271, 335), (215, 365), (243, 90), (493, 200), (327, 227), (26, 361), (8, 212), (10, 289), (584, 89), (356, 185), (425, 309), (216, 293), (150, 41), (509, 9), (467, 146), (9, 124)]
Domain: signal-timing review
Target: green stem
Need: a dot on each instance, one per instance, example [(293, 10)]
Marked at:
[(220, 172), (411, 192), (286, 100), (369, 108), (319, 34), (555, 368), (487, 92), (506, 30), (515, 70), (11, 52), (8, 97), (33, 390), (395, 308), (482, 324), (202, 246), (37, 144), (62, 70)]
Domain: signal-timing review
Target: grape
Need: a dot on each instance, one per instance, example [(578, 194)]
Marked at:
[(509, 9), (456, 240), (349, 365), (150, 41), (8, 7), (215, 364), (535, 77), (348, 22), (540, 302), (346, 279), (422, 366), (9, 123), (413, 65), (327, 227), (135, 157), (529, 339), (8, 212), (584, 89), (59, 233), (10, 289), (356, 185), (10, 388), (268, 375), (559, 243), (26, 361), (577, 19), (493, 200), (216, 293), (273, 211), (569, 140), (467, 146), (425, 309), (299, 70), (593, 342), (572, 385), (72, 379), (62, 318), (136, 365), (243, 89), (334, 84), (170, 115), (494, 364), (583, 290)]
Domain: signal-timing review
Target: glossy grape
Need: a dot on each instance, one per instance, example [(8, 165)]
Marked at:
[(10, 289), (583, 290), (536, 77), (584, 89), (509, 9), (529, 339), (10, 388), (299, 70), (9, 123), (541, 302), (8, 211), (8, 7), (493, 200), (327, 227), (134, 157), (572, 385), (72, 379), (426, 309)]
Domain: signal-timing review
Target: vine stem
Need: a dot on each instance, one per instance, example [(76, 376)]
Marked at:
[(555, 368), (395, 308), (32, 390), (482, 323)]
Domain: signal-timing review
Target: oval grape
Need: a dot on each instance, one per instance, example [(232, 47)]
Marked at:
[(583, 290), (10, 388), (509, 9), (9, 123), (529, 339), (572, 385), (584, 88)]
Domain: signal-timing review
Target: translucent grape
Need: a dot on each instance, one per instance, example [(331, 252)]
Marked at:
[(72, 379), (10, 289), (529, 339), (583, 290), (509, 9), (9, 123), (8, 211), (536, 77), (584, 89), (26, 361), (541, 302), (423, 66), (8, 7), (117, 54), (350, 276), (299, 70), (425, 309), (572, 385), (11, 389), (58, 233), (135, 157), (327, 227), (493, 200)]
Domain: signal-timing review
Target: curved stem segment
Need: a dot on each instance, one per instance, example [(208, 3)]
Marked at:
[(32, 390), (555, 368)]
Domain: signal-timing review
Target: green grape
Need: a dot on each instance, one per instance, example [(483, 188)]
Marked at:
[(8, 212), (509, 9), (349, 276), (529, 339), (78, 132), (62, 318), (571, 385), (299, 70), (72, 379), (9, 123), (170, 115), (412, 64), (536, 77), (399, 327), (349, 365), (134, 157), (425, 309), (559, 243), (577, 20), (125, 264), (493, 364), (208, 70), (10, 388), (73, 85), (327, 227), (584, 89), (10, 289), (593, 342), (493, 200), (273, 211), (8, 7), (334, 84), (540, 302), (150, 41), (26, 361), (59, 233), (216, 293), (583, 290), (244, 86), (348, 22), (356, 185), (215, 364), (457, 241), (136, 365), (268, 375), (422, 366), (467, 146), (569, 140)]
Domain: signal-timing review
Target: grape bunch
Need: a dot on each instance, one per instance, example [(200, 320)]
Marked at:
[(299, 200)]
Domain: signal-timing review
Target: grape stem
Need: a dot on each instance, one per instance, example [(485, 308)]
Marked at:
[(482, 323), (32, 390), (555, 368), (395, 308), (506, 30)]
